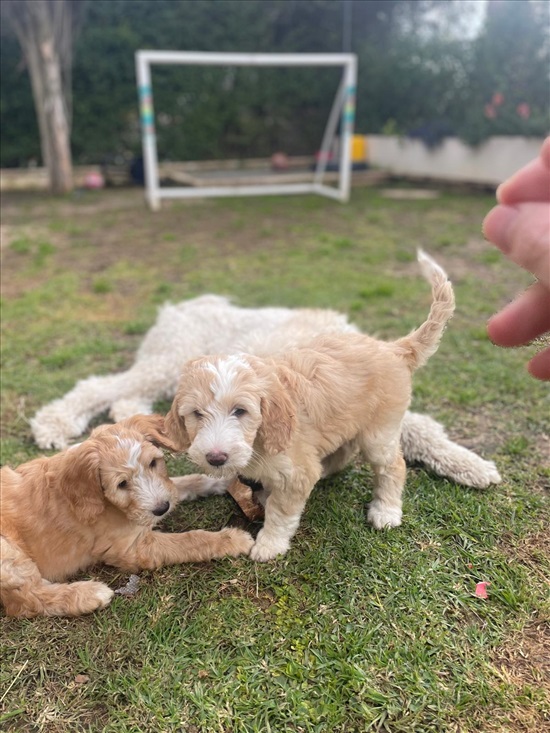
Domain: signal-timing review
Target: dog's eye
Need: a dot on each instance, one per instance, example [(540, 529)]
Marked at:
[(239, 412), (122, 484), (197, 414), (153, 463)]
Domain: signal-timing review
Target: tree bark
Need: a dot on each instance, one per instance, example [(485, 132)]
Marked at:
[(38, 25)]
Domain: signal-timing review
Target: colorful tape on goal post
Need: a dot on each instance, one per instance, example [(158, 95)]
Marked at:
[(146, 110), (349, 108)]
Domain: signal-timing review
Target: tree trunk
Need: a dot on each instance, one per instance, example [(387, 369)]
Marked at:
[(33, 22), (57, 124)]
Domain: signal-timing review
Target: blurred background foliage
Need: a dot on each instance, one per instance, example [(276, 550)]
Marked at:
[(427, 68)]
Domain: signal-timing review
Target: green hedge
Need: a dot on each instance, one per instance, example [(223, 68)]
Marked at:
[(414, 78)]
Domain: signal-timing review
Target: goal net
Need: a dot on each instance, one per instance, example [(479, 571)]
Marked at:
[(341, 116)]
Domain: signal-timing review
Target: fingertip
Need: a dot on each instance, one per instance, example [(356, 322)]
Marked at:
[(497, 334), (486, 228), (497, 224), (530, 183), (539, 366), (484, 225)]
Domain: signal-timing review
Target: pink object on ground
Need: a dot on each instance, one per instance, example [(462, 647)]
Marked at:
[(481, 589)]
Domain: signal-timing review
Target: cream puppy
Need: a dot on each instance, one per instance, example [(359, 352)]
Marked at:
[(289, 419)]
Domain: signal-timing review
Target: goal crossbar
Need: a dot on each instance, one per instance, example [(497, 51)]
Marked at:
[(343, 111)]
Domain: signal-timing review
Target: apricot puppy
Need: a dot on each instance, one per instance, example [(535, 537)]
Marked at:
[(97, 502)]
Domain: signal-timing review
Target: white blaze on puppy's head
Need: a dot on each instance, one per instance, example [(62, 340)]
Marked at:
[(134, 479), (225, 372), (133, 449)]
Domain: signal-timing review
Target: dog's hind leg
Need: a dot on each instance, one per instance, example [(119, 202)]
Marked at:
[(26, 593), (384, 454)]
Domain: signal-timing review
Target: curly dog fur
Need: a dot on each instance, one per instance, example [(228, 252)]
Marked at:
[(291, 419), (97, 502), (211, 324)]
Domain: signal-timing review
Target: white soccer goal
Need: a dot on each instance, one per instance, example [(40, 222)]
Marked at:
[(343, 109)]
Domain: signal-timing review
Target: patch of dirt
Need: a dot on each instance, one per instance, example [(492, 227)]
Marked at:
[(476, 431), (479, 431), (524, 664), (532, 551), (242, 588), (542, 447), (116, 226), (528, 662)]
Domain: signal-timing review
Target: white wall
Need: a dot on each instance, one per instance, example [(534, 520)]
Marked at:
[(489, 163)]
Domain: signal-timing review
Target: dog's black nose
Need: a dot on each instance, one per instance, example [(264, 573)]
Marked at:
[(161, 509), (216, 458)]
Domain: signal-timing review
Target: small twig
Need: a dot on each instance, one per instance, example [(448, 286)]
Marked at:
[(14, 680)]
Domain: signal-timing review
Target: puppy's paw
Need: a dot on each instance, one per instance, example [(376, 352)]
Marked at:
[(215, 486), (196, 485), (104, 595), (489, 476), (266, 547), (53, 426), (89, 596), (382, 515), (236, 541), (50, 434)]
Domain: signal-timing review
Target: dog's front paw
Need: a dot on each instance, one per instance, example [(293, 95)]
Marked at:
[(104, 595), (49, 432), (88, 596), (236, 541), (382, 515), (196, 486), (266, 547)]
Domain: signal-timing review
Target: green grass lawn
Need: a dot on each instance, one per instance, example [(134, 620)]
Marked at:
[(353, 630)]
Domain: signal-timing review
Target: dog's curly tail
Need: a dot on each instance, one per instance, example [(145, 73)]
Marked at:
[(422, 343)]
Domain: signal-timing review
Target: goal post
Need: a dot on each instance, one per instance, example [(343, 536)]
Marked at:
[(343, 111)]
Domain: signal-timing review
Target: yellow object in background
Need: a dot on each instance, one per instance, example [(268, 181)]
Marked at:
[(359, 149)]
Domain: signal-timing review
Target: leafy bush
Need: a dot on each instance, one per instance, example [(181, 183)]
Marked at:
[(418, 75)]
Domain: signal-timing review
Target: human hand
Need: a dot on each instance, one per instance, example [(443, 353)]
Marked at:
[(520, 227)]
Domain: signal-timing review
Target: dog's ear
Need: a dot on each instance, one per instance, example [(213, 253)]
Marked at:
[(153, 429), (174, 425), (75, 474), (278, 418)]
